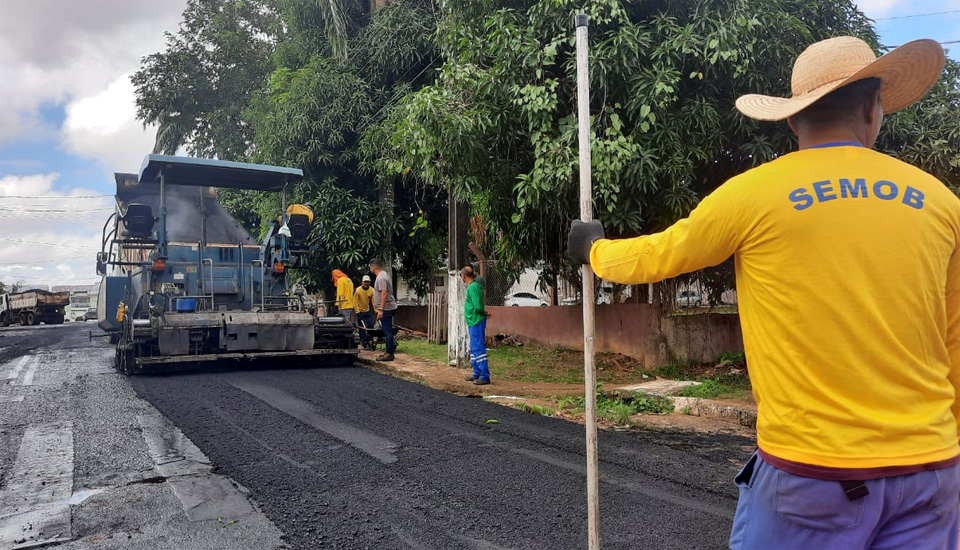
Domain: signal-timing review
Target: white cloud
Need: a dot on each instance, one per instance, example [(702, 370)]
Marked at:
[(53, 51), (49, 237), (104, 127), (77, 55)]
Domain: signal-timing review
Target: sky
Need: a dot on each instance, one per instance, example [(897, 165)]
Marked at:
[(67, 117)]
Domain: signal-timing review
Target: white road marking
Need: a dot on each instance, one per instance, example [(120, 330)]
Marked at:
[(372, 444), (14, 399), (204, 495), (34, 507), (31, 372), (15, 373)]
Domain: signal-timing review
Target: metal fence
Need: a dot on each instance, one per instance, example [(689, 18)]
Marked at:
[(512, 287), (708, 288)]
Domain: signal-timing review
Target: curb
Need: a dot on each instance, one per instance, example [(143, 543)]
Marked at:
[(716, 409), (386, 368)]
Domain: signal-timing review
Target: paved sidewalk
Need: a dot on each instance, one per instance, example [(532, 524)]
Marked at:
[(451, 379)]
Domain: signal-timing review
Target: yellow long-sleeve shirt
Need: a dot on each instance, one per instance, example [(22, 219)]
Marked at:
[(363, 300), (344, 293), (848, 278)]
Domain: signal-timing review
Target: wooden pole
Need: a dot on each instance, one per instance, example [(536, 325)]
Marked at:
[(588, 300)]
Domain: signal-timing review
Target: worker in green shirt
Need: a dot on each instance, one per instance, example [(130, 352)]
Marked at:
[(477, 325)]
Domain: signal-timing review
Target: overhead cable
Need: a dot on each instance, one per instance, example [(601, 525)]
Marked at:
[(912, 15)]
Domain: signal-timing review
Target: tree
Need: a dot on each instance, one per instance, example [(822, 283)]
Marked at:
[(197, 89), (499, 126), (305, 84), (324, 115)]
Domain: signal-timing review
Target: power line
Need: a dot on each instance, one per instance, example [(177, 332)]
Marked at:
[(41, 243), (53, 210), (912, 15), (54, 196), (944, 43), (55, 260)]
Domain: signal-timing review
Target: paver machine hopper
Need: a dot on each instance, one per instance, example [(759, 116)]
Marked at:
[(185, 284)]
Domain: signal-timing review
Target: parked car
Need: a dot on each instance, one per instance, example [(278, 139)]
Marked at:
[(89, 315), (689, 298), (517, 299)]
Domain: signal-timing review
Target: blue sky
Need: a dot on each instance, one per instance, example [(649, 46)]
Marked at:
[(67, 117), (896, 24)]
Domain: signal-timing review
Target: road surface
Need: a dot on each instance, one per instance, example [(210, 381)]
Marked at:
[(322, 458)]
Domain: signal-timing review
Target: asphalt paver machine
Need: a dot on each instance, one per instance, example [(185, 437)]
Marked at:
[(184, 284)]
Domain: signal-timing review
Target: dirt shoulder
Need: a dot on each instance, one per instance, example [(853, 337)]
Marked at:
[(512, 385)]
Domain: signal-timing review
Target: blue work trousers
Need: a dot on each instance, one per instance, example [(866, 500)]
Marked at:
[(367, 320), (478, 351), (779, 510), (386, 325)]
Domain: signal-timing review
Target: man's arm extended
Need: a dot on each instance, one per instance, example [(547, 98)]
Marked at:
[(712, 232)]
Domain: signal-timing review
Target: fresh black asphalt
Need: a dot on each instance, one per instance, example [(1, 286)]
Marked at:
[(350, 458)]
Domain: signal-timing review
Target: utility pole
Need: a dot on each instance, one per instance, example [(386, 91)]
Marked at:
[(458, 338)]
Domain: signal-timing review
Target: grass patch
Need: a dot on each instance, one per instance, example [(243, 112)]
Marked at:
[(618, 408), (422, 348), (561, 366), (533, 408), (722, 387), (537, 364), (725, 378)]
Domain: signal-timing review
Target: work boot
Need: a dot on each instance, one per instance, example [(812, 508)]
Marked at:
[(470, 378), (480, 382), (385, 357)]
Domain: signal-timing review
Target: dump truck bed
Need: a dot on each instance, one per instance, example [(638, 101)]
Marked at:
[(34, 298)]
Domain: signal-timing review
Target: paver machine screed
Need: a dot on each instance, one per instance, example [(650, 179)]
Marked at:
[(187, 284)]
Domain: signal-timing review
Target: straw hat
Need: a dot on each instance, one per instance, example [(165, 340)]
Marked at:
[(907, 74)]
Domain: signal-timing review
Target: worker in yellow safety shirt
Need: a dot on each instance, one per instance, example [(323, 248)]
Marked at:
[(366, 311), (344, 299), (848, 280)]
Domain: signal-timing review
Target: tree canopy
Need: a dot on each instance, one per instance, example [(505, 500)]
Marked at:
[(305, 84), (386, 110), (499, 123)]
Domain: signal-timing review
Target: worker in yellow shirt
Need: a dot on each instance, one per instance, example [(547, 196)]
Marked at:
[(366, 311), (344, 300), (848, 278)]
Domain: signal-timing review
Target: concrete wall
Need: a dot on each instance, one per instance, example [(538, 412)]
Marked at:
[(630, 329), (702, 336), (621, 328)]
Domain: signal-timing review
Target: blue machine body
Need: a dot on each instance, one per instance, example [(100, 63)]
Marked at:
[(189, 281)]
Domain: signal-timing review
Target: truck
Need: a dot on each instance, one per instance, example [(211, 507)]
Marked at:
[(33, 307), (184, 284)]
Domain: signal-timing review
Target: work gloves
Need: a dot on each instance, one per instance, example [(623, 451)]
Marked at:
[(581, 238)]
